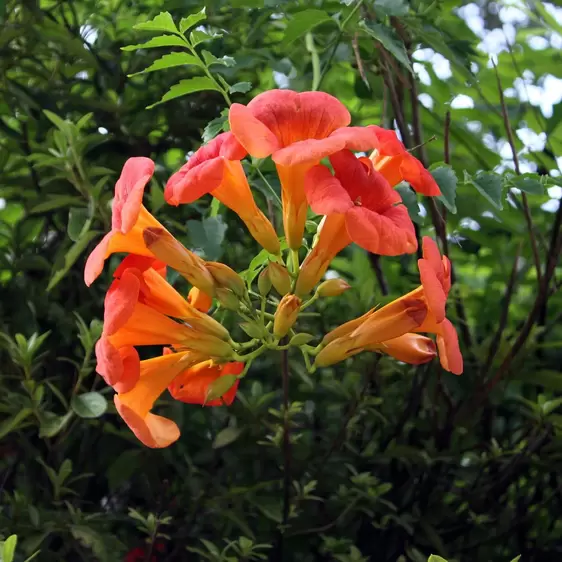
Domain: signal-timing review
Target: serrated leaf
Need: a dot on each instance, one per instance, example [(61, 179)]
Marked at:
[(529, 183), (198, 36), (240, 87), (226, 436), (168, 61), (160, 41), (447, 181), (9, 548), (304, 21), (89, 405), (210, 59), (208, 236), (191, 20), (214, 127), (489, 185), (162, 22), (410, 200), (189, 86), (388, 39), (220, 386), (391, 7)]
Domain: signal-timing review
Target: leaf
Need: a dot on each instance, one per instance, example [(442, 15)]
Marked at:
[(191, 20), (220, 386), (551, 380), (55, 202), (388, 39), (447, 180), (304, 21), (162, 22), (435, 558), (489, 185), (529, 183), (198, 36), (225, 437), (516, 559), (240, 87), (89, 405), (184, 87), (9, 548), (168, 61), (156, 197), (92, 540), (410, 200), (160, 41), (79, 220), (210, 59), (214, 127), (59, 123), (52, 424), (12, 424), (122, 468), (391, 7), (208, 235), (71, 256)]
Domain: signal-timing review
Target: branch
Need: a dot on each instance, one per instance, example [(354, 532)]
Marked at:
[(526, 210), (375, 260)]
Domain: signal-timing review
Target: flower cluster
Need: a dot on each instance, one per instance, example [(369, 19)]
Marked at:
[(200, 363)]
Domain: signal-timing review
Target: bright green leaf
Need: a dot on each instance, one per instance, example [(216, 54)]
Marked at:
[(516, 559), (447, 180), (225, 437), (168, 61), (388, 39), (240, 87), (489, 185), (198, 36), (89, 405), (160, 41), (189, 86), (210, 59), (162, 22), (304, 21), (214, 127), (9, 548), (191, 20), (435, 558)]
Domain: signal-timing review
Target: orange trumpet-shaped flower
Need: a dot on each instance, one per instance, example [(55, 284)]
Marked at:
[(361, 207), (215, 168), (396, 164), (135, 406), (130, 221), (192, 385), (421, 310), (297, 130), (409, 348)]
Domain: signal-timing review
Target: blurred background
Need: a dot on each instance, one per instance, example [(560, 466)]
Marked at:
[(388, 462)]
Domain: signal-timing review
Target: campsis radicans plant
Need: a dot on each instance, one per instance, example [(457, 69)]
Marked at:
[(200, 363)]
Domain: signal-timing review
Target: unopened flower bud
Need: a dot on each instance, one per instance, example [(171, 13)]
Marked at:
[(332, 288), (211, 346), (337, 351), (279, 277), (264, 282), (199, 300), (286, 315), (226, 277), (227, 298), (172, 252)]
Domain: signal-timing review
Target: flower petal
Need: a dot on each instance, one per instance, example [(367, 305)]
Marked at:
[(409, 348), (119, 368), (448, 346), (96, 260), (324, 192), (418, 177), (307, 152), (120, 302), (388, 234), (250, 132), (190, 183), (433, 290), (199, 300), (129, 191)]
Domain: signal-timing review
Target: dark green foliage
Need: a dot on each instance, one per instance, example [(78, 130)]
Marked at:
[(387, 462)]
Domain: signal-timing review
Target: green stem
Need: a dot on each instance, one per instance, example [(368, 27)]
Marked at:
[(311, 48), (312, 300)]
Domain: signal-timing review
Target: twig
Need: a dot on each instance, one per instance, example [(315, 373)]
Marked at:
[(503, 316), (359, 60), (375, 260), (553, 256), (526, 210)]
